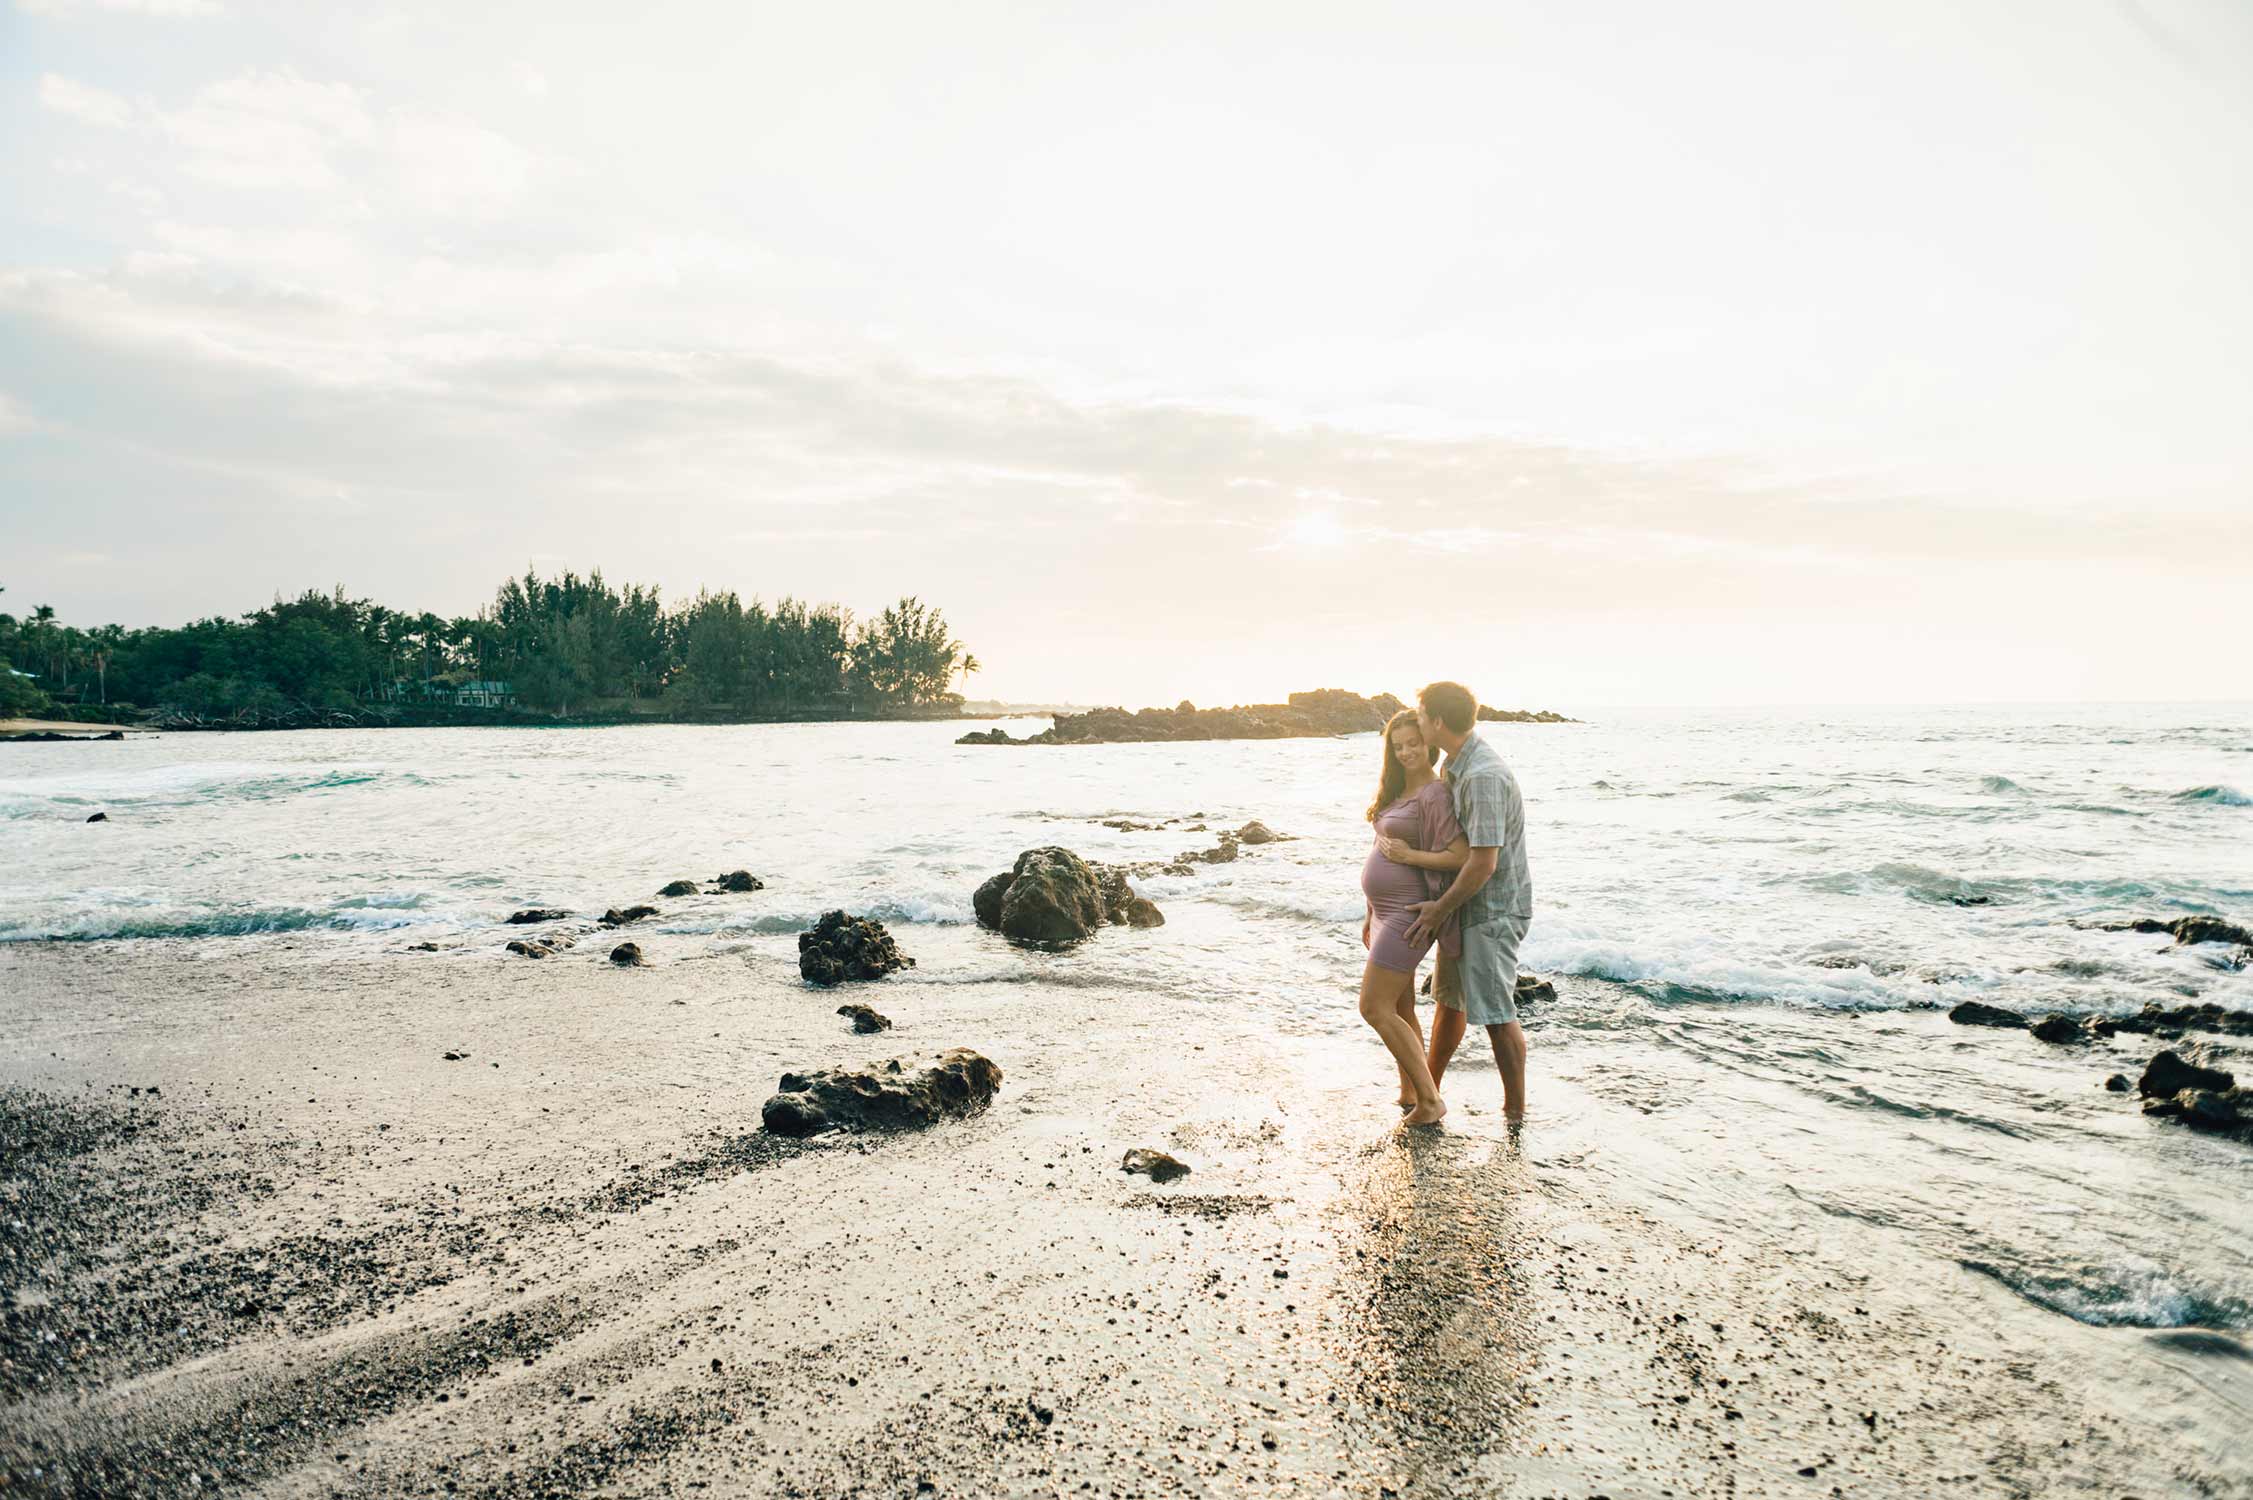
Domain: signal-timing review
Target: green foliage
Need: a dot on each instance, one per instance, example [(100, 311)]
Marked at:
[(561, 644)]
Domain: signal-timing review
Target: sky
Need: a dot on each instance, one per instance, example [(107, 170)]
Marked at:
[(1615, 353)]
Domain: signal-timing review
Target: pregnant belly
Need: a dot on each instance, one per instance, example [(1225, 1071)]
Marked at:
[(1390, 886)]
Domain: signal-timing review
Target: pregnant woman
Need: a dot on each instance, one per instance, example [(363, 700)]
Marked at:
[(1413, 815)]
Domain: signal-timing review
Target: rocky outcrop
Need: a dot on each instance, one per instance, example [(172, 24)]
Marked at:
[(1489, 715), (617, 918), (866, 1022), (532, 914), (885, 1097), (2060, 1028), (1157, 1165), (541, 947), (679, 888), (842, 947), (2173, 1021), (1974, 1013), (2225, 1111), (2201, 928), (1053, 897), (628, 956), (2170, 1073), (736, 883), (1329, 711)]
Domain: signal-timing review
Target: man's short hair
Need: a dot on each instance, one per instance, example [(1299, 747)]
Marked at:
[(1452, 704)]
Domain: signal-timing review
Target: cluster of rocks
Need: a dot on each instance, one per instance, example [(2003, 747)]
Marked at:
[(842, 947), (542, 947), (1307, 715), (1488, 715), (49, 736), (1530, 987), (866, 1022), (2203, 1098), (625, 955), (1052, 897), (887, 1096), (620, 918)]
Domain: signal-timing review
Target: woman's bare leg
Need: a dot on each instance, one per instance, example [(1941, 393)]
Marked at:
[(1408, 1014), (1380, 1006)]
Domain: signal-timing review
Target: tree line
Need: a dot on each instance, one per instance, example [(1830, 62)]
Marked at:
[(560, 645)]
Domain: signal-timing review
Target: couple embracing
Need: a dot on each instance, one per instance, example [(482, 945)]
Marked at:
[(1448, 869)]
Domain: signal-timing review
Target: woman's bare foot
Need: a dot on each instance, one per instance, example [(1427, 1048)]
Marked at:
[(1427, 1114)]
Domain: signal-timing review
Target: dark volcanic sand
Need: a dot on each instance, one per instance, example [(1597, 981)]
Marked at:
[(326, 1260)]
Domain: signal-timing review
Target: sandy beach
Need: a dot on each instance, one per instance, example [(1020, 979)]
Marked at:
[(263, 1238)]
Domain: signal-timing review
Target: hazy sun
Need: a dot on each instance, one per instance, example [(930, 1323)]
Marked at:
[(1317, 531)]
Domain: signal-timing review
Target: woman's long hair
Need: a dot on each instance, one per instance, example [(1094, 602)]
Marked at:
[(1393, 780)]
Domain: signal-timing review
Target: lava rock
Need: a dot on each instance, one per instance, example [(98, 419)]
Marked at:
[(866, 1022), (986, 900), (884, 1097), (2204, 929), (2170, 1022), (1973, 1013), (616, 918), (2226, 1111), (1256, 832), (529, 950), (2060, 1028), (457, 1057), (1051, 897), (2118, 1084), (1533, 987), (737, 883), (422, 947), (1157, 1164), (842, 947), (2170, 1073), (679, 888), (99, 818), (627, 956), (533, 914), (1122, 906)]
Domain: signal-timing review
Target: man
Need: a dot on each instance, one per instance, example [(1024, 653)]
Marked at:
[(1492, 891)]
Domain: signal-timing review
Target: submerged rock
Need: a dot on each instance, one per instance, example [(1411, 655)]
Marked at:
[(679, 888), (422, 947), (884, 1097), (1256, 832), (616, 918), (865, 1021), (1974, 1013), (2118, 1084), (1534, 987), (529, 950), (842, 947), (2201, 928), (2060, 1028), (99, 818), (2170, 1073), (627, 956), (533, 914), (737, 883), (1157, 1164)]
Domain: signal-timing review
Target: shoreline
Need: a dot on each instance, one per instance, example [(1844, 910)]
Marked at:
[(335, 1262)]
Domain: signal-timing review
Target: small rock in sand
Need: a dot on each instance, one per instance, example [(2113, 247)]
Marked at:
[(457, 1057), (627, 956), (865, 1021), (1256, 832), (1157, 1164)]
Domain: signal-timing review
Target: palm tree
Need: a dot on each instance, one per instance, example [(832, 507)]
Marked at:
[(969, 664)]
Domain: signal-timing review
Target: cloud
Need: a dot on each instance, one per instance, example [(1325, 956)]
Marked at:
[(84, 102)]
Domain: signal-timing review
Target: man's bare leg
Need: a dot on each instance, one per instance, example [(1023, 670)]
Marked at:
[(1509, 1059), (1447, 1017)]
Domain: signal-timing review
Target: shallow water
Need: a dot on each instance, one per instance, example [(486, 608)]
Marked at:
[(1772, 904)]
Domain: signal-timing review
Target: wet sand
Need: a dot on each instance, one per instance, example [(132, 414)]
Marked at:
[(311, 1256)]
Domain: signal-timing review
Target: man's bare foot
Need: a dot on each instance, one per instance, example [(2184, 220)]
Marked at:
[(1427, 1114), (1407, 1099)]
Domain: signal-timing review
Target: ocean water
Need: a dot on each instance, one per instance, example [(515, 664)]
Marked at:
[(1755, 915)]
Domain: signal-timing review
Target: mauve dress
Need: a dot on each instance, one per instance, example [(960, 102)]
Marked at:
[(1426, 821)]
